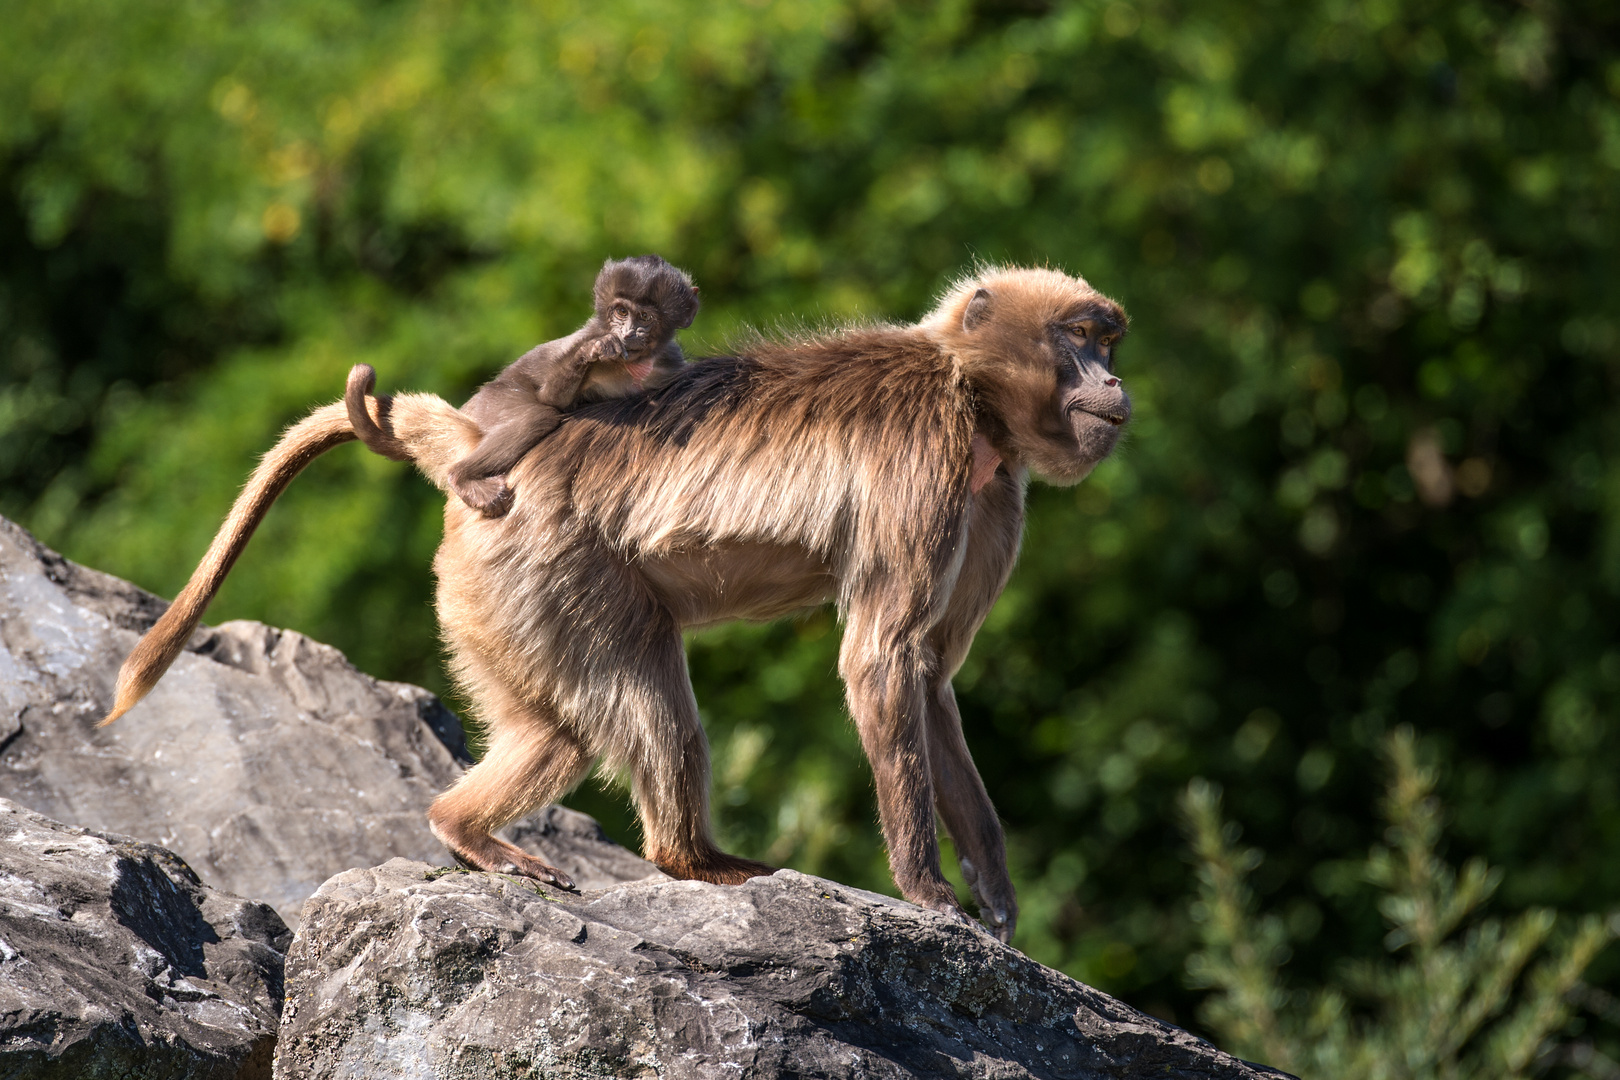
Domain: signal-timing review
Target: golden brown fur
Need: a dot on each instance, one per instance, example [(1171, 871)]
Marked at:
[(881, 468)]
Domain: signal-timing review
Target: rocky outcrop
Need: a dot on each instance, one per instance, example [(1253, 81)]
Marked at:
[(269, 763), (116, 961), (263, 758), (410, 970)]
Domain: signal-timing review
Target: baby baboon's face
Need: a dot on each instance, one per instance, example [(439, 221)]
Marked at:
[(638, 325)]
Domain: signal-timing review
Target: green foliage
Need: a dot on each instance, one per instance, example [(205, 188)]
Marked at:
[(1455, 995), (1369, 247)]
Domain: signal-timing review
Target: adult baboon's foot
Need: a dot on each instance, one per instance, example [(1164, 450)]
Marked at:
[(488, 495), (716, 867), (951, 910), (495, 856), (937, 895), (998, 903)]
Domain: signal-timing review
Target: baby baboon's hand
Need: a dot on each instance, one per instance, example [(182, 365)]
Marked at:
[(607, 347)]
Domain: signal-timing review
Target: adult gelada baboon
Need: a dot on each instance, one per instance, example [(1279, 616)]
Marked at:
[(882, 468)]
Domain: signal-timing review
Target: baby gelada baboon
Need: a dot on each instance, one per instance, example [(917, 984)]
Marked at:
[(628, 346)]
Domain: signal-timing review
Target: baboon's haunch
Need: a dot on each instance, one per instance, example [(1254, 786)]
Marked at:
[(880, 468), (627, 346)]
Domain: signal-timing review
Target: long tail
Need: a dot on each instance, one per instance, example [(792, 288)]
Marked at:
[(305, 441), (420, 428)]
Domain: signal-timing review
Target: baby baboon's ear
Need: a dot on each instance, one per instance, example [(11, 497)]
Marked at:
[(978, 310)]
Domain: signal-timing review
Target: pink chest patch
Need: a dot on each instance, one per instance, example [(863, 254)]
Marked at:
[(985, 461)]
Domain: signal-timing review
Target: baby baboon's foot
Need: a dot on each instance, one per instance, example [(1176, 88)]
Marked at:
[(716, 867), (488, 495)]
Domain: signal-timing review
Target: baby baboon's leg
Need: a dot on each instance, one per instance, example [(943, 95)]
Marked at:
[(669, 761), (531, 760), (479, 478)]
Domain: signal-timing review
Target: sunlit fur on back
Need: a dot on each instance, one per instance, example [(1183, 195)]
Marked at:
[(843, 445), (882, 468)]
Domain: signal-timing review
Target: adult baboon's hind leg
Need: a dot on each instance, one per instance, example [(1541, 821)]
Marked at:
[(530, 761), (669, 763)]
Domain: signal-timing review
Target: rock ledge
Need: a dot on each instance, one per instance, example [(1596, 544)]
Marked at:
[(409, 970)]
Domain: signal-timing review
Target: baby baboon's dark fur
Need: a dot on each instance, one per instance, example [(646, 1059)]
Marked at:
[(626, 347)]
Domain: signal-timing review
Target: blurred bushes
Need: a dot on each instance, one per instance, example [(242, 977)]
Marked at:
[(1369, 249), (1466, 996)]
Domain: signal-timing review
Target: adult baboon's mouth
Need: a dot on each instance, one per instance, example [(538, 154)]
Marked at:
[(1117, 419)]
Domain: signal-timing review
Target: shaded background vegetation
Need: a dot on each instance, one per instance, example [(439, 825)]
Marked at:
[(1369, 248)]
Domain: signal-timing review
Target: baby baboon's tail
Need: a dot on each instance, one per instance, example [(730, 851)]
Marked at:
[(362, 377), (305, 441), (423, 429)]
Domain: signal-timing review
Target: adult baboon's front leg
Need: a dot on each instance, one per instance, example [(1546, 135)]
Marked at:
[(884, 666), (969, 816), (964, 805)]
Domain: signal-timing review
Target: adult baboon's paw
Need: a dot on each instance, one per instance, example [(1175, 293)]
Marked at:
[(950, 909), (477, 850), (998, 903), (528, 866), (715, 867)]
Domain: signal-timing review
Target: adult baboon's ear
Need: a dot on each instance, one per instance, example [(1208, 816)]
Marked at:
[(978, 310)]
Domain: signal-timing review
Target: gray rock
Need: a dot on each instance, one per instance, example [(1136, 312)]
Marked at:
[(115, 961), (574, 843), (411, 971), (263, 758)]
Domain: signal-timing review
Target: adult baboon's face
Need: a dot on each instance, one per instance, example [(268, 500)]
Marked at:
[(1039, 346), (1092, 398)]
